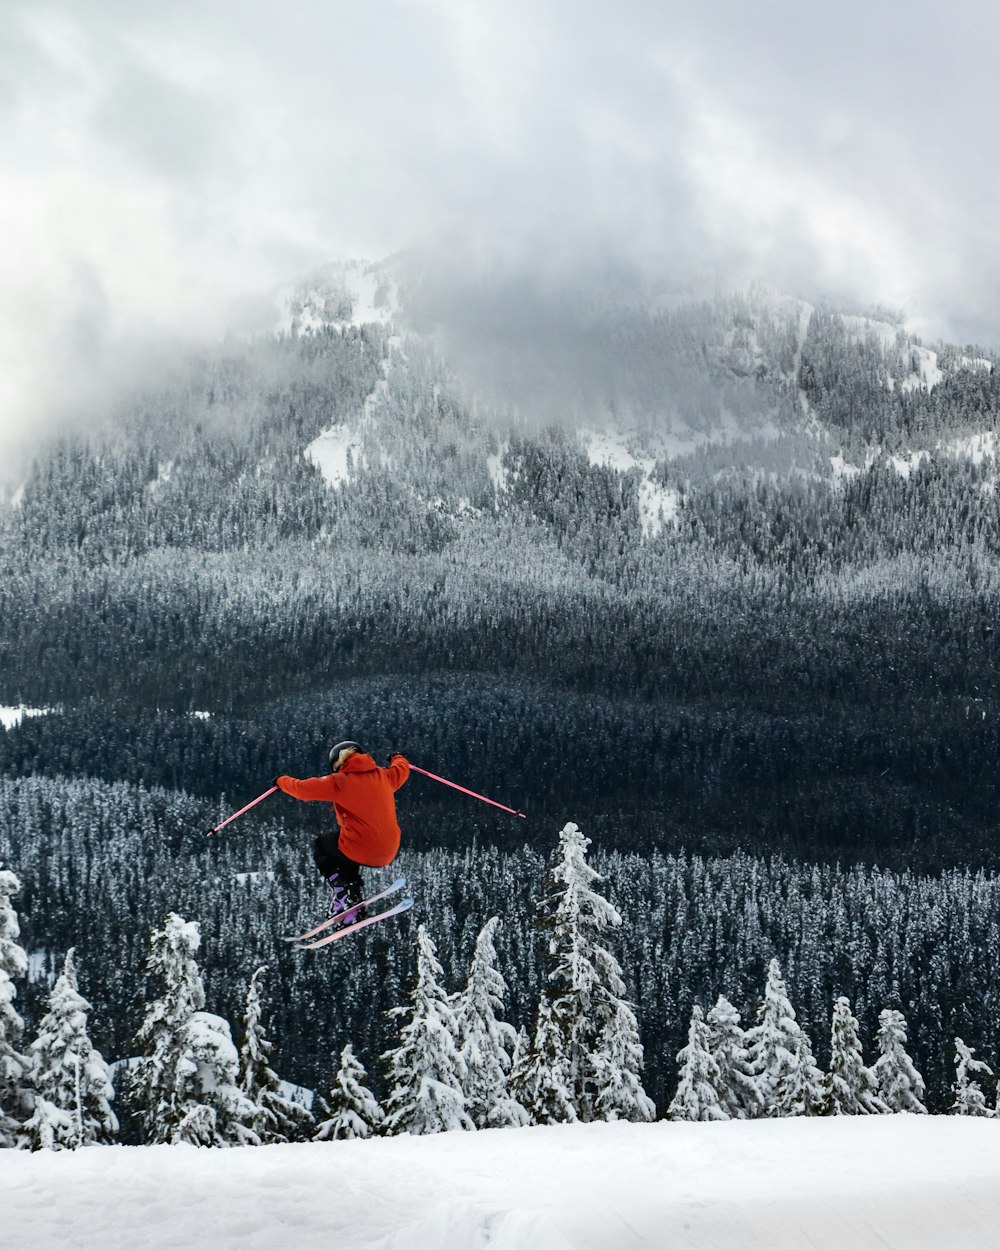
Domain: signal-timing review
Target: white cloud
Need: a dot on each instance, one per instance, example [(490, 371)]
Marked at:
[(157, 161)]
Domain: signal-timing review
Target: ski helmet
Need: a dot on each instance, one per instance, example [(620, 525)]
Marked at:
[(336, 749)]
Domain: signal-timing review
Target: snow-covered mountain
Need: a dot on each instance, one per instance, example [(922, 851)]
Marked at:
[(737, 385)]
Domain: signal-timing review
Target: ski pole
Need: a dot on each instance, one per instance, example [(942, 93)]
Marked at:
[(444, 782), (253, 803)]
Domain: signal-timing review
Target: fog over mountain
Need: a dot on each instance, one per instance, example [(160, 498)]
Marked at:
[(159, 168)]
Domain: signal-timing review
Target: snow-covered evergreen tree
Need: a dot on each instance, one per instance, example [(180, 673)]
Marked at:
[(900, 1086), (70, 1080), (487, 1042), (426, 1070), (801, 1092), (354, 1111), (697, 1096), (15, 1098), (772, 1043), (781, 1056), (184, 1086), (850, 1088), (739, 1094), (158, 1081), (540, 1083), (584, 985), (219, 1113), (618, 1062), (278, 1119), (969, 1098)]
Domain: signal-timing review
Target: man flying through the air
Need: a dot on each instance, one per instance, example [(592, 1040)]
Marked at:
[(363, 798)]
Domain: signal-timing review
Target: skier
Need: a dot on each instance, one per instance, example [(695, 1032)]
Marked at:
[(368, 834)]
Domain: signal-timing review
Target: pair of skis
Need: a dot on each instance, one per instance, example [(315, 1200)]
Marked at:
[(317, 937)]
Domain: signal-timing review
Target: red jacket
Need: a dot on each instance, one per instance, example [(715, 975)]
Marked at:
[(362, 796)]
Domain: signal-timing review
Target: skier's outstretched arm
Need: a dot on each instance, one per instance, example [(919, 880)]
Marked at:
[(311, 789)]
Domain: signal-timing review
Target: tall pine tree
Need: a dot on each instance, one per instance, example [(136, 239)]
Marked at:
[(900, 1085), (159, 1082), (184, 1086), (486, 1041), (850, 1088), (71, 1082), (277, 1119), (780, 1055), (426, 1071), (697, 1096), (739, 1094), (584, 986), (354, 1111)]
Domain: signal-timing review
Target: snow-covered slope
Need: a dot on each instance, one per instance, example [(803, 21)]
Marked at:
[(896, 1181), (340, 294), (657, 504), (337, 451), (11, 717)]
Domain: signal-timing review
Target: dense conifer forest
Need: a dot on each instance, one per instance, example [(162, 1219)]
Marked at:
[(752, 653), (102, 864)]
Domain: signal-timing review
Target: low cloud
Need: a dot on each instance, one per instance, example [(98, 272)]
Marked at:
[(156, 165)]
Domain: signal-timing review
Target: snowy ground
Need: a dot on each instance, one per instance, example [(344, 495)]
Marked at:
[(892, 1182)]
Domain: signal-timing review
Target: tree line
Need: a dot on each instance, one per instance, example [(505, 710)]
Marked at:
[(456, 1063), (101, 865)]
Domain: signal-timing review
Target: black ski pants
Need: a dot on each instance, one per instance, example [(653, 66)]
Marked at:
[(330, 859)]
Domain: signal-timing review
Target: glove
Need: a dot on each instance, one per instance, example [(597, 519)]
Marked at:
[(396, 755), (276, 781)]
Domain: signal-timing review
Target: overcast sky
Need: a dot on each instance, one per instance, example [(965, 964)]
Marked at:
[(157, 161)]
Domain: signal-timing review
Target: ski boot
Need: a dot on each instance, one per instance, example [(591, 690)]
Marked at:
[(340, 902)]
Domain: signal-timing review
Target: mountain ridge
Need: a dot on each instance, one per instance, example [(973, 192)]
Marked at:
[(766, 334)]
